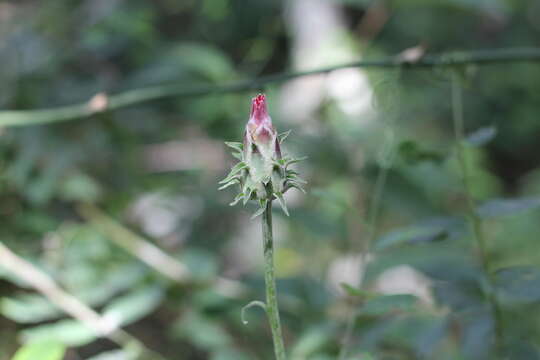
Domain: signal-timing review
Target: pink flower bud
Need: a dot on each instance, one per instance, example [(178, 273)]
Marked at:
[(260, 131)]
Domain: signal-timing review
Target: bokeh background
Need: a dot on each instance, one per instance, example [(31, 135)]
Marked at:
[(121, 209)]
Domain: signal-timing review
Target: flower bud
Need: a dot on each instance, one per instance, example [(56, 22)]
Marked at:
[(261, 136), (262, 172)]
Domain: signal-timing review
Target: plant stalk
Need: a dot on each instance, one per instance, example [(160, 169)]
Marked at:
[(474, 219), (272, 310)]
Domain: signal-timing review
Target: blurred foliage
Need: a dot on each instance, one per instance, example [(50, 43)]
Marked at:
[(153, 167)]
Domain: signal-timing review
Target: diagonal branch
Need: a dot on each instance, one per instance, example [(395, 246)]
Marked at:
[(68, 303), (136, 96), (150, 254)]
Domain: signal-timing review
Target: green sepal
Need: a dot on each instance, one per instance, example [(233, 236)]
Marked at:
[(295, 160), (236, 169), (296, 186), (239, 156), (292, 172), (260, 210), (296, 178), (235, 145), (232, 182), (237, 199), (248, 193), (283, 136), (281, 201)]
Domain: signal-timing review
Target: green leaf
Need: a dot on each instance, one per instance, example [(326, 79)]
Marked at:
[(28, 308), (133, 306), (481, 136), (518, 285), (291, 184), (413, 153), (311, 342), (353, 291), (385, 304), (80, 187), (296, 179), (235, 170), (239, 156), (202, 331), (506, 207), (113, 355), (283, 136), (249, 192), (68, 332), (235, 145), (229, 354), (419, 233), (237, 199), (41, 351), (260, 210), (281, 201), (230, 183), (293, 161)]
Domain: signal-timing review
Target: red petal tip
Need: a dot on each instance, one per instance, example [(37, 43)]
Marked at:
[(258, 107)]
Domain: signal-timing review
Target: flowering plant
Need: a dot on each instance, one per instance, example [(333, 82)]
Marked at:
[(263, 175)]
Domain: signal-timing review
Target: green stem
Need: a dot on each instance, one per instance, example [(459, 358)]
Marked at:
[(272, 310), (474, 219), (136, 96)]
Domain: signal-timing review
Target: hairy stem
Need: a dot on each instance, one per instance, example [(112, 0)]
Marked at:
[(272, 310), (474, 219)]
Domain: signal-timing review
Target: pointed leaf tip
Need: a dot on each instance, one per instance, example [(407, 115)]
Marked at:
[(281, 201), (283, 136), (237, 199), (261, 209)]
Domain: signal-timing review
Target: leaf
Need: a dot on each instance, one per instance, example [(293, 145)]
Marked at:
[(133, 306), (202, 331), (250, 305), (385, 304), (68, 332), (296, 179), (248, 195), (419, 233), (113, 355), (281, 201), (28, 308), (236, 169), (518, 285), (353, 291), (230, 183), (237, 199), (296, 186), (239, 156), (229, 354), (235, 145), (80, 187), (506, 207), (438, 260), (202, 59), (481, 136), (293, 161), (413, 153), (41, 350), (311, 342), (283, 136), (261, 209)]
